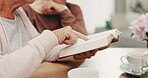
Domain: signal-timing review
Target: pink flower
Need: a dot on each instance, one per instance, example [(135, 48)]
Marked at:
[(140, 27)]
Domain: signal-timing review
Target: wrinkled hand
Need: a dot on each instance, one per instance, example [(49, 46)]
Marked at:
[(88, 54), (68, 36), (51, 7), (115, 40)]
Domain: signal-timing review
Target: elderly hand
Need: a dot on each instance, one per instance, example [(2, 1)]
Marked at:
[(115, 39), (88, 54), (51, 7), (68, 36)]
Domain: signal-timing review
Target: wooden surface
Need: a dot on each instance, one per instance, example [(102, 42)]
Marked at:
[(55, 70), (106, 62)]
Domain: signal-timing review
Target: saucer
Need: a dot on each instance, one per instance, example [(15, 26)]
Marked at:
[(128, 70)]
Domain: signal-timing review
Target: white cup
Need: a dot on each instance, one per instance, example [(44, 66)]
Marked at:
[(83, 73), (133, 61)]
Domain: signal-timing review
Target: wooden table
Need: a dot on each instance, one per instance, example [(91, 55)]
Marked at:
[(107, 63)]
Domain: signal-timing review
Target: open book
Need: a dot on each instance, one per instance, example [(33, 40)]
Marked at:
[(97, 40)]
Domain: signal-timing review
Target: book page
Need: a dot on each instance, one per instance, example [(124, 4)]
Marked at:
[(115, 32), (96, 41), (99, 36)]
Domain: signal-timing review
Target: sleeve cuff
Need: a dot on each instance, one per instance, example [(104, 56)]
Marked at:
[(48, 40)]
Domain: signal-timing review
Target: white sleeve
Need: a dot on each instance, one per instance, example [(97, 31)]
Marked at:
[(21, 63), (53, 55)]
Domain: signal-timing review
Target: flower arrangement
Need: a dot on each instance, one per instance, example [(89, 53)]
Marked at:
[(140, 28)]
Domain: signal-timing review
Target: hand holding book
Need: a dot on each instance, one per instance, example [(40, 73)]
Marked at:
[(88, 54), (97, 41)]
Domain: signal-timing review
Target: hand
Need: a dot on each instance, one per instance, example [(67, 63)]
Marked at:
[(115, 40), (51, 7), (88, 54), (68, 36)]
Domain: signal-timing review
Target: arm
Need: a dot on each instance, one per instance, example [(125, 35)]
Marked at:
[(69, 61), (73, 17), (74, 20), (56, 69), (60, 69), (21, 63)]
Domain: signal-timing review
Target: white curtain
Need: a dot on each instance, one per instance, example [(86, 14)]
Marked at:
[(95, 12)]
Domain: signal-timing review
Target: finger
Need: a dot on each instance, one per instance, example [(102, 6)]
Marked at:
[(69, 42), (70, 39), (43, 10), (79, 35), (114, 40), (93, 52), (88, 54), (85, 55), (49, 10), (46, 11), (80, 56)]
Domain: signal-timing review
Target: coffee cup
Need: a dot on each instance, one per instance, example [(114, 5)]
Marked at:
[(83, 73), (133, 60)]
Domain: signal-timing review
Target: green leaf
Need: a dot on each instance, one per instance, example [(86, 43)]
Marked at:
[(132, 34)]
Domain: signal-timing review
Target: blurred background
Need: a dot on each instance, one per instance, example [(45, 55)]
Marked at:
[(102, 15)]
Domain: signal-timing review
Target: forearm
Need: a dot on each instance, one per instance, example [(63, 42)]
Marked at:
[(76, 22), (21, 63)]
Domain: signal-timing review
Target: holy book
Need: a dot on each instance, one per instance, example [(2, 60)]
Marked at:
[(95, 41)]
